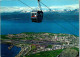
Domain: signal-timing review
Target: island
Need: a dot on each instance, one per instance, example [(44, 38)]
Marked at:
[(42, 44)]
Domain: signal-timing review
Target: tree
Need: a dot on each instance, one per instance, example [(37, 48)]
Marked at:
[(69, 53)]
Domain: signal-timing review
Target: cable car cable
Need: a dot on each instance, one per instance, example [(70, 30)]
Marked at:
[(66, 29), (39, 5), (70, 24), (46, 6), (64, 19), (63, 27), (25, 4)]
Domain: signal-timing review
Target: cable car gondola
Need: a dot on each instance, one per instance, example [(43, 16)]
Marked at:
[(37, 15)]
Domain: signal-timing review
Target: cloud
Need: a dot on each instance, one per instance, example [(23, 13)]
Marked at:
[(15, 8), (74, 6), (18, 8), (8, 0)]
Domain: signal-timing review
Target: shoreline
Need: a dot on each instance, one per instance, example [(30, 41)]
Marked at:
[(10, 47), (41, 32)]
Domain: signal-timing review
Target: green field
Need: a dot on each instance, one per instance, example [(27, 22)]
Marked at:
[(46, 54), (75, 48), (53, 53)]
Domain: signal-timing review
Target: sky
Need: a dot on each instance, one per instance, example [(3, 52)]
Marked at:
[(15, 5)]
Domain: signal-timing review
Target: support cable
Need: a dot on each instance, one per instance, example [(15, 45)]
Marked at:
[(64, 19), (46, 6), (39, 5), (63, 27), (25, 4)]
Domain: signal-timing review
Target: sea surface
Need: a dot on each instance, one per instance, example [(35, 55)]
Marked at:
[(14, 23), (5, 52)]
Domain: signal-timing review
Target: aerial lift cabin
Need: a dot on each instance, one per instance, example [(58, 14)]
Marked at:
[(37, 15)]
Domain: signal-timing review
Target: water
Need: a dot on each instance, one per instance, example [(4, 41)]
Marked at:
[(5, 52), (53, 23)]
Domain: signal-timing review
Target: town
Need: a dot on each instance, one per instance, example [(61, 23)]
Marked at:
[(32, 43)]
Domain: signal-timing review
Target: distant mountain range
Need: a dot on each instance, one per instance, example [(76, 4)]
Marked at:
[(70, 14), (60, 11)]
